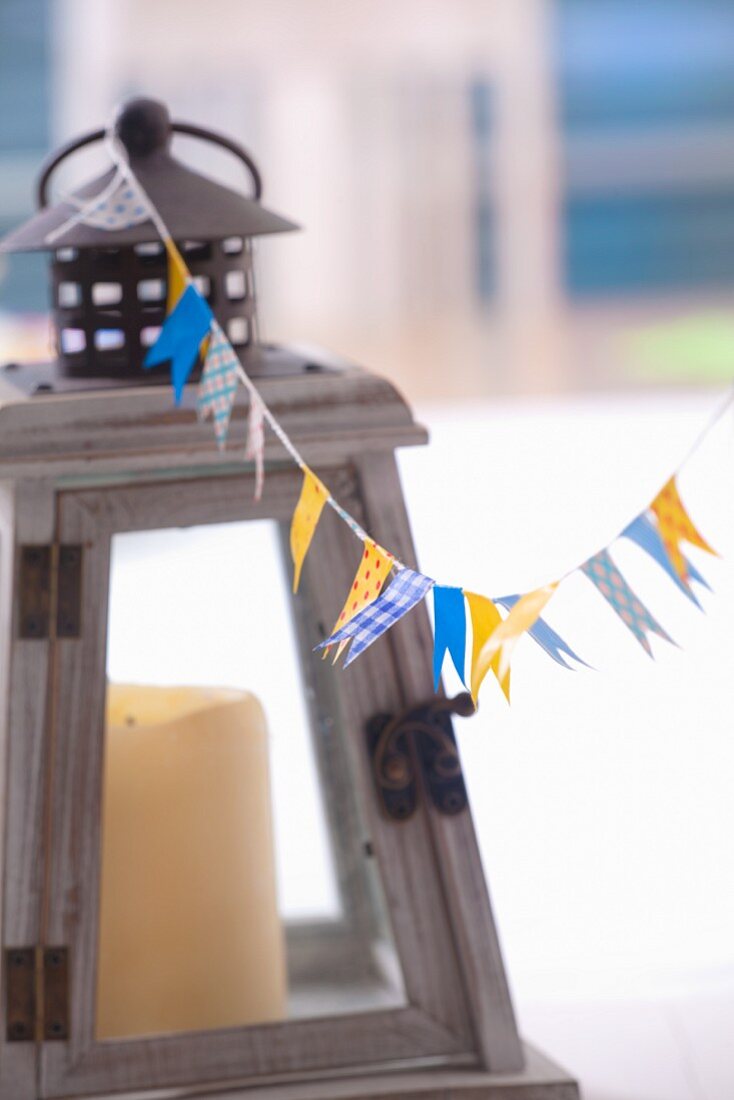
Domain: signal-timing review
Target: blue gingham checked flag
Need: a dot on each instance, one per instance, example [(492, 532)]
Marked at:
[(218, 384), (371, 622)]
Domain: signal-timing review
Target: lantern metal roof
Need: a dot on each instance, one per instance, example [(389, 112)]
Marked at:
[(192, 206)]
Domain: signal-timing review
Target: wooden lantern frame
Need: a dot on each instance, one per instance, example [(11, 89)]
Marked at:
[(76, 469)]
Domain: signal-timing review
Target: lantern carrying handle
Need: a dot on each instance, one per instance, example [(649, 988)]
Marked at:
[(187, 128)]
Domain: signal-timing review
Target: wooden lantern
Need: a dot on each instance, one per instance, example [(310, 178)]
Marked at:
[(401, 989)]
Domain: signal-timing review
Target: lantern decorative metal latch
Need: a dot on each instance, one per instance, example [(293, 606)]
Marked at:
[(226, 866)]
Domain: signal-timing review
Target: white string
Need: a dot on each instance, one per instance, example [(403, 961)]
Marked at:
[(117, 155), (116, 152), (695, 446), (708, 427)]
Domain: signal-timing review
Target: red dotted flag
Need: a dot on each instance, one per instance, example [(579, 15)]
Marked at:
[(374, 568)]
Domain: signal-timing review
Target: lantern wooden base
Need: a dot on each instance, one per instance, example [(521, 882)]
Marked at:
[(541, 1079)]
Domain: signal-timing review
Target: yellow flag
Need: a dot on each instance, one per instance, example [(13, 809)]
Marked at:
[(505, 637), (177, 275), (314, 496), (374, 567), (676, 526), (485, 618)]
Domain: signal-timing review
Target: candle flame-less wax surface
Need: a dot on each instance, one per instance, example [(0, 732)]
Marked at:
[(190, 936)]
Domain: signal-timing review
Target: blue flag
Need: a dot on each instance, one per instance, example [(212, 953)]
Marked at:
[(603, 573), (449, 629), (183, 330), (643, 532), (546, 637)]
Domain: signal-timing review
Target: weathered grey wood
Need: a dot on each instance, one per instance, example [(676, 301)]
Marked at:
[(540, 1079), (328, 415), (435, 1024), (27, 517), (80, 467), (458, 861), (405, 855)]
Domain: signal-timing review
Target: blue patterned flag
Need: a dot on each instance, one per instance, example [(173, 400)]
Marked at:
[(645, 534), (449, 630), (614, 588), (405, 591), (183, 330), (546, 637), (218, 384), (121, 208)]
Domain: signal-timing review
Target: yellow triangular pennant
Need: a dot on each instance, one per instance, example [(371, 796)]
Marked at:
[(314, 496), (505, 637), (485, 618), (676, 526), (178, 274)]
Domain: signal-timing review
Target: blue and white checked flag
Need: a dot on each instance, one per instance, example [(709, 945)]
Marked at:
[(371, 622), (218, 384)]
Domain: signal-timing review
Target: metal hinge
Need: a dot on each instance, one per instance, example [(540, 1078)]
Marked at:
[(36, 994), (417, 748), (49, 591)]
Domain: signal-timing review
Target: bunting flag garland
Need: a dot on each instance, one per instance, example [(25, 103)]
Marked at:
[(643, 532), (485, 618), (255, 449), (314, 496), (218, 384), (602, 571), (676, 526), (449, 630), (546, 637), (180, 337), (373, 570), (403, 593), (373, 605)]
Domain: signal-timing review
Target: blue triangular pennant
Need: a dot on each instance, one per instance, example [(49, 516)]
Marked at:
[(546, 637), (404, 592), (183, 330), (643, 532), (449, 630)]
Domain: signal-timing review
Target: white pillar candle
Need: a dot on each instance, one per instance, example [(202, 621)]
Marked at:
[(190, 936)]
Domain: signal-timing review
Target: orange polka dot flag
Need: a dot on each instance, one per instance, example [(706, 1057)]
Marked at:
[(372, 572), (314, 496), (675, 526)]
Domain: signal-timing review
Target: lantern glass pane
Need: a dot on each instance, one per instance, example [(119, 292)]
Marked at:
[(238, 886)]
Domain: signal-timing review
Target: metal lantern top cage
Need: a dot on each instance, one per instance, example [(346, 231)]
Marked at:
[(109, 287)]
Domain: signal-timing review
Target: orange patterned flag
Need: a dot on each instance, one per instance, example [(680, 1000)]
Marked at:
[(374, 568), (675, 527), (485, 618), (314, 496)]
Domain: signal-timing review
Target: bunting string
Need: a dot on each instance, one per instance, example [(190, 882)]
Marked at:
[(384, 589)]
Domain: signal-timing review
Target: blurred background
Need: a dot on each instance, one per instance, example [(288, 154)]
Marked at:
[(539, 191), (522, 212)]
